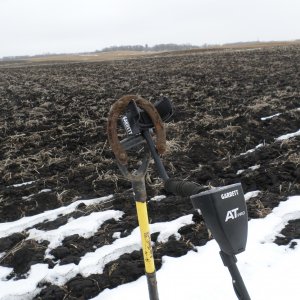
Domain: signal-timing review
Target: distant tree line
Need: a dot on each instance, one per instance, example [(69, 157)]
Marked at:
[(159, 47), (9, 58), (24, 57)]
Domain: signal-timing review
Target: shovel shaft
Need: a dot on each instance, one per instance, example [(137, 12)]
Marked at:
[(152, 286), (141, 208)]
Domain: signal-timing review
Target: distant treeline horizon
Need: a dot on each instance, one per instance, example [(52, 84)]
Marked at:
[(158, 47), (155, 48)]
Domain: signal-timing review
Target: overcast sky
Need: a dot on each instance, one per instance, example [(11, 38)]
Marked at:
[(56, 26)]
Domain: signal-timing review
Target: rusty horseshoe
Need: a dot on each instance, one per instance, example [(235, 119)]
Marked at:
[(116, 110)]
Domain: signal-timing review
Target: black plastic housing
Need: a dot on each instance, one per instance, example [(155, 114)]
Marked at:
[(225, 214), (139, 120)]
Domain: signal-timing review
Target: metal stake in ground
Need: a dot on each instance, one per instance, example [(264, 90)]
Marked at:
[(137, 177)]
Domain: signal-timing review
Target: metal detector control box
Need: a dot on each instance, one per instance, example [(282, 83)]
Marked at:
[(225, 214)]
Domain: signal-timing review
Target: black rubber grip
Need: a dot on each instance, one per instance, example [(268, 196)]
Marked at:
[(183, 188)]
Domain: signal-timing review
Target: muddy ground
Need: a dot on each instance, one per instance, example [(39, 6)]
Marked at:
[(53, 137)]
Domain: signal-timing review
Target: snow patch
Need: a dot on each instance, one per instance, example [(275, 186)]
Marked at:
[(116, 235), (24, 289), (158, 198), (167, 229), (21, 184), (85, 226), (240, 172), (94, 262), (4, 272), (280, 138), (255, 167), (288, 136), (45, 191), (252, 150), (250, 195), (270, 117), (9, 228)]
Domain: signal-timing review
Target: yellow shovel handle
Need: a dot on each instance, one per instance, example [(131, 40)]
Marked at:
[(142, 213)]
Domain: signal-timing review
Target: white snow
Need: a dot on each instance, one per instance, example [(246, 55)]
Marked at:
[(255, 167), (240, 172), (45, 191), (270, 117), (84, 226), (252, 150), (167, 229), (269, 271), (23, 289), (116, 235), (280, 138), (4, 272), (23, 183), (158, 198), (288, 136), (250, 195), (20, 225), (92, 262)]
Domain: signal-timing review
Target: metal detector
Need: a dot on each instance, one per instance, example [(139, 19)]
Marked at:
[(225, 214), (223, 208)]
